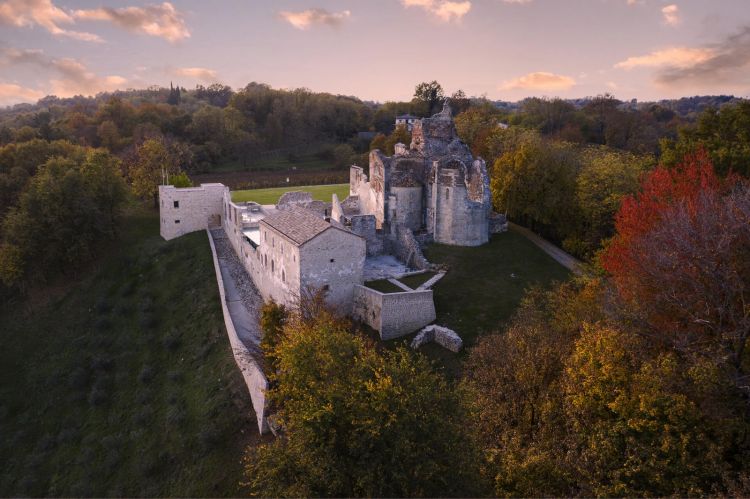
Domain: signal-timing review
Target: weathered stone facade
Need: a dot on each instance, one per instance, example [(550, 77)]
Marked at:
[(393, 314), (435, 186), (189, 209)]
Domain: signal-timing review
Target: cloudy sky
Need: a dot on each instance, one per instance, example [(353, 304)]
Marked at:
[(379, 49)]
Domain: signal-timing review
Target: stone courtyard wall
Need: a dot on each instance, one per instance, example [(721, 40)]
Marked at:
[(393, 314)]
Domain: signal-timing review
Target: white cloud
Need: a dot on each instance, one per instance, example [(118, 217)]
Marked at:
[(203, 74), (70, 76), (540, 80), (163, 21), (310, 17), (671, 14), (28, 13), (10, 93), (444, 10), (676, 57)]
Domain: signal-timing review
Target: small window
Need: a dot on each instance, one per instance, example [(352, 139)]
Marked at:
[(176, 204), (333, 260), (176, 221), (326, 287), (447, 193), (283, 276), (272, 266)]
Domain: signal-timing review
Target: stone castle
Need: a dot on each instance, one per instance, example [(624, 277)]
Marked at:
[(432, 191)]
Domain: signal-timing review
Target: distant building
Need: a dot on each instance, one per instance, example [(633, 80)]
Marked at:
[(406, 120)]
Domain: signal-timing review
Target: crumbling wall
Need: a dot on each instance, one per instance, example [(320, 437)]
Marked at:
[(393, 314), (406, 248), (364, 225)]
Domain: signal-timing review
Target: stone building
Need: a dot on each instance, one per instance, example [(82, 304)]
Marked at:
[(434, 187), (189, 209), (406, 120)]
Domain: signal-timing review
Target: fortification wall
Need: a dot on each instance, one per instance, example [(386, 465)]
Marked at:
[(393, 314), (255, 380), (189, 209)]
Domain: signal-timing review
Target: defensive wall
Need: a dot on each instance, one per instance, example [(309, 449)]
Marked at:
[(255, 380)]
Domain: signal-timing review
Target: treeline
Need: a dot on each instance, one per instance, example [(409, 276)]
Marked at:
[(569, 190), (631, 383)]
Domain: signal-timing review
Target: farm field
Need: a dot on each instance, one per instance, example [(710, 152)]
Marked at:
[(271, 195)]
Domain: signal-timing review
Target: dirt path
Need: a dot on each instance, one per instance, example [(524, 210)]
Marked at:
[(566, 260)]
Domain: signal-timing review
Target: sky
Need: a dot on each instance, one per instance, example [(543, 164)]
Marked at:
[(379, 49)]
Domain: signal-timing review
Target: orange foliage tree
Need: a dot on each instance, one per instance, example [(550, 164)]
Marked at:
[(681, 259)]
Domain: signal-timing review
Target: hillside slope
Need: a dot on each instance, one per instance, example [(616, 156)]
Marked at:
[(124, 384)]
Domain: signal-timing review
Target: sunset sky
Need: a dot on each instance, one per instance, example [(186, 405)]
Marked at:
[(379, 49)]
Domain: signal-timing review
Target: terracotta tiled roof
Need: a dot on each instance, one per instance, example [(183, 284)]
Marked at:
[(298, 224)]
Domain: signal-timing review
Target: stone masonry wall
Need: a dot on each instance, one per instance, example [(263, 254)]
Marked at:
[(189, 209), (364, 225), (256, 381), (393, 314), (406, 248)]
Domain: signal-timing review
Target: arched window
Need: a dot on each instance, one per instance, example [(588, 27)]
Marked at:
[(447, 193)]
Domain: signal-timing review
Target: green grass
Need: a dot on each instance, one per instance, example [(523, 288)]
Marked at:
[(485, 284), (122, 382), (384, 286), (482, 289), (270, 196), (414, 281)]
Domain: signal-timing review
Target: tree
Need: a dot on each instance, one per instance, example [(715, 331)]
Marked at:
[(632, 429), (723, 134), (360, 423), (67, 209), (431, 94), (151, 165), (680, 260)]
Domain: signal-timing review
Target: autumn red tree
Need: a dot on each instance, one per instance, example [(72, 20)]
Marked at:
[(681, 260)]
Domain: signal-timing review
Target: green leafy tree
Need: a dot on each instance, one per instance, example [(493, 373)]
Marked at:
[(360, 423), (153, 163), (430, 94)]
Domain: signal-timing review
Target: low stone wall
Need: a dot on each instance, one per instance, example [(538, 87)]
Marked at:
[(446, 338), (393, 314), (256, 381)]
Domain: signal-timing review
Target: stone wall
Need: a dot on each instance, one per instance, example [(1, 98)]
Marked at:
[(189, 209), (406, 248), (256, 381), (333, 260), (393, 314), (364, 225)]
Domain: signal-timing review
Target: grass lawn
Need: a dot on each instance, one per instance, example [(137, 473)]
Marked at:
[(121, 382), (270, 196), (384, 286), (483, 288), (416, 280)]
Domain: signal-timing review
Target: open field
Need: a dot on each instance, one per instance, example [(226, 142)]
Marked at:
[(270, 196), (122, 382), (483, 288)]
